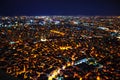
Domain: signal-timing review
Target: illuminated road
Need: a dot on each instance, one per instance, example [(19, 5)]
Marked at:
[(54, 73)]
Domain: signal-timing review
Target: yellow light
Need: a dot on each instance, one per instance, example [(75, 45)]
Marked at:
[(66, 48), (35, 56), (98, 78), (54, 31), (63, 67), (80, 78)]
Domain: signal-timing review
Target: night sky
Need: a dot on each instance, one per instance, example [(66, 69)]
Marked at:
[(59, 7)]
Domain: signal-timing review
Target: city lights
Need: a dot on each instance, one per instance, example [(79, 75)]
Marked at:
[(60, 47)]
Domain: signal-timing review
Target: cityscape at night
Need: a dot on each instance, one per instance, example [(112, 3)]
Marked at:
[(59, 39), (60, 47)]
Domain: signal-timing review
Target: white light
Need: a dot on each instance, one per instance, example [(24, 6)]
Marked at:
[(5, 25), (16, 22), (118, 37), (6, 17), (103, 28), (12, 42), (42, 16), (57, 22), (63, 67), (31, 21), (43, 40), (75, 22)]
